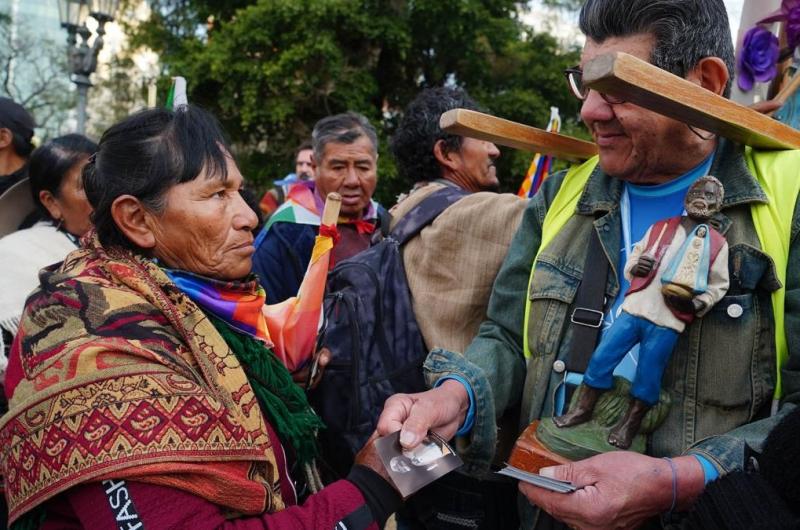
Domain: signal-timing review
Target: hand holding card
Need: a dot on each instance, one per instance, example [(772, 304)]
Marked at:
[(551, 484), (412, 469)]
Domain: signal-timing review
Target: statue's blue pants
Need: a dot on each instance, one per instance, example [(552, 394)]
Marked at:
[(655, 347)]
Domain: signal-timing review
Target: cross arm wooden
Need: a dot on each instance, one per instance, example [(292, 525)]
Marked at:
[(648, 86), (511, 134)]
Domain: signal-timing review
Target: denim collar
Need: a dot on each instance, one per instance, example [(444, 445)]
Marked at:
[(603, 192)]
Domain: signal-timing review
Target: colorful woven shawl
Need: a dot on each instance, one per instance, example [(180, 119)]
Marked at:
[(116, 373)]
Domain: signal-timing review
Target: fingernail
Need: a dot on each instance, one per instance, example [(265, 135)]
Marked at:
[(549, 472), (407, 438)]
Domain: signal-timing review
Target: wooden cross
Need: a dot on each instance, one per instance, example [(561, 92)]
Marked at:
[(512, 134), (649, 87)]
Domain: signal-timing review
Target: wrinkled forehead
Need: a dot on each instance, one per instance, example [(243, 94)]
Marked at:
[(304, 155), (360, 148)]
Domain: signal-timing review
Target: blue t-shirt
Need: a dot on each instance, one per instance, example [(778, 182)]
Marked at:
[(640, 207)]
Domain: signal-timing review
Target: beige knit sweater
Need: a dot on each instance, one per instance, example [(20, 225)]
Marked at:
[(451, 265)]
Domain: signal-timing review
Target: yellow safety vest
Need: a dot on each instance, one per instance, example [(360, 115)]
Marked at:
[(776, 173)]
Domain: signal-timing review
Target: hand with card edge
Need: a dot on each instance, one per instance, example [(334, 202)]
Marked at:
[(620, 489), (368, 457), (321, 358), (441, 410)]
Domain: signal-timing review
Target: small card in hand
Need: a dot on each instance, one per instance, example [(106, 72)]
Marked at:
[(411, 470), (551, 484)]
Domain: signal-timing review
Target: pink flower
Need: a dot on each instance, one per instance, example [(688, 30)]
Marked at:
[(758, 58)]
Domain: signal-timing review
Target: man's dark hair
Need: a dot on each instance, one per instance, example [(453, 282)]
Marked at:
[(146, 154), (305, 146), (51, 162), (686, 31), (412, 143), (343, 128)]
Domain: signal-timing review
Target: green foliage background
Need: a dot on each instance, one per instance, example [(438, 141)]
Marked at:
[(269, 69)]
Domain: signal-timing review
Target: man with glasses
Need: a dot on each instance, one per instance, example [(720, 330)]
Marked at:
[(722, 376)]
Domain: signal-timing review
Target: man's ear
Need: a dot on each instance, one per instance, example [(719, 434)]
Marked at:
[(6, 137), (712, 74), (134, 220), (443, 156), (50, 203)]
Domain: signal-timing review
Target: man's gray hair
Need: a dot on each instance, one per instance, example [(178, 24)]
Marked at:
[(686, 31), (343, 128)]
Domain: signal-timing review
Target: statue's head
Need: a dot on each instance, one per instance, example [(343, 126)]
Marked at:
[(704, 198)]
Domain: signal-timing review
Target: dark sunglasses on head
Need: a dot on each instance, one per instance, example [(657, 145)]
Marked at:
[(575, 81)]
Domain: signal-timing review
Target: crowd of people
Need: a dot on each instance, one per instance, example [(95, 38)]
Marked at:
[(142, 390)]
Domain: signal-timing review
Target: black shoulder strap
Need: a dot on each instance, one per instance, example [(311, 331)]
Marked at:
[(384, 220), (587, 317), (425, 212)]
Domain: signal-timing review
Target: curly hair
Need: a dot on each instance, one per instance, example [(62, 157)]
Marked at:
[(412, 143)]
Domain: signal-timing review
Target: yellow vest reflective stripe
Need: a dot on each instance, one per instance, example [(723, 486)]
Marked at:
[(776, 173), (558, 214)]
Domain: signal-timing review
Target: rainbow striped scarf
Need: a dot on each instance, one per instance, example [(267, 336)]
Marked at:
[(238, 303)]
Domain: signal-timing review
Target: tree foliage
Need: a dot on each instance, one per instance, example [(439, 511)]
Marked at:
[(34, 73), (270, 69)]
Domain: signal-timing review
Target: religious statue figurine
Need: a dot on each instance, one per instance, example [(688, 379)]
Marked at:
[(678, 271)]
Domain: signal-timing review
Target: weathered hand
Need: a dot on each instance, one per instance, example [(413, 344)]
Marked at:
[(620, 489), (322, 358), (643, 266), (767, 107), (441, 410), (370, 458)]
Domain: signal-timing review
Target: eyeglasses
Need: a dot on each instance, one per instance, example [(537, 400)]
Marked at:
[(575, 81)]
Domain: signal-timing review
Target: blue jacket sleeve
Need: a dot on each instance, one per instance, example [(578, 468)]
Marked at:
[(281, 259)]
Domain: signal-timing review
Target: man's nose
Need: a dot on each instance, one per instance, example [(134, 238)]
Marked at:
[(351, 177), (595, 108), (493, 151)]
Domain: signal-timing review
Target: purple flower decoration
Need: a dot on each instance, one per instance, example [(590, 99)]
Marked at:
[(758, 58), (789, 13)]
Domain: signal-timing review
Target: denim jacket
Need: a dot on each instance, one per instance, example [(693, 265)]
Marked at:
[(721, 376)]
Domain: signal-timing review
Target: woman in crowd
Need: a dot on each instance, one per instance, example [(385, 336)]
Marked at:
[(54, 171), (140, 387)]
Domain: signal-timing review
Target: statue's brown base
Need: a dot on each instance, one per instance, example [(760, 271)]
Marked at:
[(544, 444), (529, 454)]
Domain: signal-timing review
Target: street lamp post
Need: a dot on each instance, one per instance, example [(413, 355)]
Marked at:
[(82, 57)]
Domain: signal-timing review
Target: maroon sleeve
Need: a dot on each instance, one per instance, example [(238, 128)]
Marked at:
[(126, 505)]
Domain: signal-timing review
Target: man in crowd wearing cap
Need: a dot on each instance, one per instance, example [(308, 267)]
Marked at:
[(16, 131)]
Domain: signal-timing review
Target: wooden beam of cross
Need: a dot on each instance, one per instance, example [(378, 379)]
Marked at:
[(511, 134), (648, 86)]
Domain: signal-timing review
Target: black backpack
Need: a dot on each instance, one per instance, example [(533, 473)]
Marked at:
[(369, 327)]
